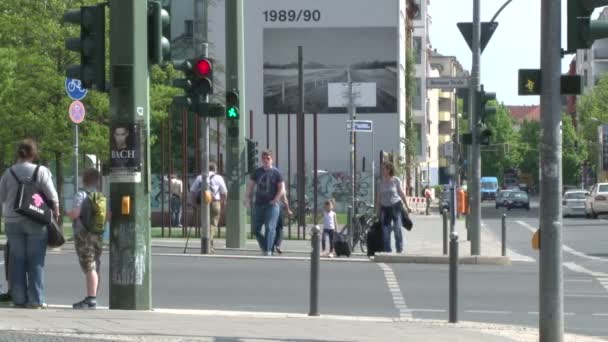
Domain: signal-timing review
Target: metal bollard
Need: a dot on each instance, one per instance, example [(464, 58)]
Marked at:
[(453, 277), (445, 232), (504, 235), (315, 257)]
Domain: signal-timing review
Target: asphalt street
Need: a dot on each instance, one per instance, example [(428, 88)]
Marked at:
[(492, 294)]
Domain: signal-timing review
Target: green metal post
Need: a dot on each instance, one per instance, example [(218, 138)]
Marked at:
[(235, 148), (130, 263)]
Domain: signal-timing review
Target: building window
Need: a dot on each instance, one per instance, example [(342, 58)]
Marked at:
[(189, 28), (585, 78), (417, 49), (584, 55), (417, 98), (418, 139), (418, 15)]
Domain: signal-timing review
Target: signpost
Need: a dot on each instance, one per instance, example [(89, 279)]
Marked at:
[(365, 126)]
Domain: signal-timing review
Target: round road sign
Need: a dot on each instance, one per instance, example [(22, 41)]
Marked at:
[(77, 112)]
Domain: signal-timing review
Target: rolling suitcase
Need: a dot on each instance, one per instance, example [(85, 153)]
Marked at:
[(374, 239), (341, 246)]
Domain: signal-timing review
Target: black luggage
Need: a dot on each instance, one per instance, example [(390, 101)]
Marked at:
[(374, 239), (341, 246)]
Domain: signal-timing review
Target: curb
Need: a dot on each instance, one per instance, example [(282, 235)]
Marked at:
[(440, 259)]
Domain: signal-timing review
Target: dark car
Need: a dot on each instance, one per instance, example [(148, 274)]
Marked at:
[(518, 199)]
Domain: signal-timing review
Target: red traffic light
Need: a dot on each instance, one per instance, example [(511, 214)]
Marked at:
[(203, 67)]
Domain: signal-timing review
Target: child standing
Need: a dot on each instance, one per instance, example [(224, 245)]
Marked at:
[(329, 228)]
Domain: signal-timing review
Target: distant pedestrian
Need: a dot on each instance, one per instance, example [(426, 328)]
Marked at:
[(219, 193), (390, 197), (176, 189), (27, 238), (284, 211), (427, 198), (329, 228), (269, 188), (88, 244)]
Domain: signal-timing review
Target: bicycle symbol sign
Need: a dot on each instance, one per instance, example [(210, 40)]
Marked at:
[(74, 89), (77, 112)]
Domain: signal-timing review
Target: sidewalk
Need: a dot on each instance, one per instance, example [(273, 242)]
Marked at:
[(63, 324)]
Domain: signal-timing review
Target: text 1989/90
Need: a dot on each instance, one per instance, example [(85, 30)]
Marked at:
[(292, 15)]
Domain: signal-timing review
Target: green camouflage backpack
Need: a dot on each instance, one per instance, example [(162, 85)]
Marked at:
[(93, 212)]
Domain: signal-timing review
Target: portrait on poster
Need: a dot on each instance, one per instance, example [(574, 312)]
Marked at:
[(125, 148)]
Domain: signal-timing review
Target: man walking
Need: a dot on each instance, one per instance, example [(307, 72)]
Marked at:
[(269, 185), (219, 193), (427, 197), (176, 188)]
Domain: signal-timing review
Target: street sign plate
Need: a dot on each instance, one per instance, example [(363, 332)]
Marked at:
[(360, 125), (77, 112), (487, 30), (74, 89), (447, 82)]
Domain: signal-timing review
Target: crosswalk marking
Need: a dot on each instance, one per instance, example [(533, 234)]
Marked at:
[(395, 290)]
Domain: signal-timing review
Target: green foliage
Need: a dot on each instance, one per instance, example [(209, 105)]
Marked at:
[(572, 153), (500, 155), (593, 111), (529, 133)]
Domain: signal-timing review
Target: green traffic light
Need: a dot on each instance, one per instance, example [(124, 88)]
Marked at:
[(232, 113)]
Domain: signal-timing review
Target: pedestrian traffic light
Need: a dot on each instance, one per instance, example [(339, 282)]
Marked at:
[(232, 105), (582, 31), (483, 97), (159, 32), (252, 155), (484, 136), (91, 45)]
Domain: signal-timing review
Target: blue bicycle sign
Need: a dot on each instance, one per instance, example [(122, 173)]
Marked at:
[(74, 89)]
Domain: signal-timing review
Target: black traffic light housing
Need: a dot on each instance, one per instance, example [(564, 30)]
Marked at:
[(485, 134), (232, 105), (186, 100), (159, 32), (484, 110), (252, 155), (91, 45), (582, 31)]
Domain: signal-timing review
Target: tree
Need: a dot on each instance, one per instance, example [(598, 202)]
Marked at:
[(529, 148), (572, 154), (592, 109), (500, 155)]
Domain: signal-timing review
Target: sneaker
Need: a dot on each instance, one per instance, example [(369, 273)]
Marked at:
[(5, 297), (37, 306), (85, 304), (278, 249)]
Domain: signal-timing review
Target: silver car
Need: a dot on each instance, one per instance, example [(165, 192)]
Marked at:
[(573, 202), (596, 202), (502, 198)]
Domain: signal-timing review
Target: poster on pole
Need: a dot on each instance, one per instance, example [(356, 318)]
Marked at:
[(125, 153)]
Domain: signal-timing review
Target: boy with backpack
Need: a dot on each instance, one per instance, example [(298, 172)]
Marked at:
[(89, 215)]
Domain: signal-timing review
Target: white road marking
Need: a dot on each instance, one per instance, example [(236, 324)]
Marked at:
[(395, 290), (493, 312), (565, 247)]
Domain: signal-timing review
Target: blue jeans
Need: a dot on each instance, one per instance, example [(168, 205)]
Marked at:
[(265, 214), (278, 238), (28, 249), (390, 217), (176, 206)]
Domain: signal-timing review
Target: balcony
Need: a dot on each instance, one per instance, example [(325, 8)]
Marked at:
[(445, 95), (443, 162), (445, 116), (443, 138)]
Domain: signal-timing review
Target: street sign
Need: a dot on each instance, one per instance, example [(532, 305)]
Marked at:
[(77, 112), (447, 82), (74, 89), (360, 126), (364, 94), (487, 30)]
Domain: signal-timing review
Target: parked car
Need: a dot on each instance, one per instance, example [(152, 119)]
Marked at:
[(501, 198), (518, 199), (573, 202), (597, 200)]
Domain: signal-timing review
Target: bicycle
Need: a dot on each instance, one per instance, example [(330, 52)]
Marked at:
[(362, 225)]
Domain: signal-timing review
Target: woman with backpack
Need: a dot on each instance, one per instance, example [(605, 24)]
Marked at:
[(26, 236), (391, 201)]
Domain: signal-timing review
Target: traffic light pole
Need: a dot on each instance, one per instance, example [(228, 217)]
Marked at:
[(474, 186), (551, 290), (201, 15), (235, 129), (130, 264)]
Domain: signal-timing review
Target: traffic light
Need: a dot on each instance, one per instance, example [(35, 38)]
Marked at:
[(91, 45), (159, 32), (197, 84), (232, 105), (484, 136), (582, 31), (252, 155), (483, 98)]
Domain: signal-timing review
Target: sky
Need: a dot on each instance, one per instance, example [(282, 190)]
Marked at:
[(514, 45)]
